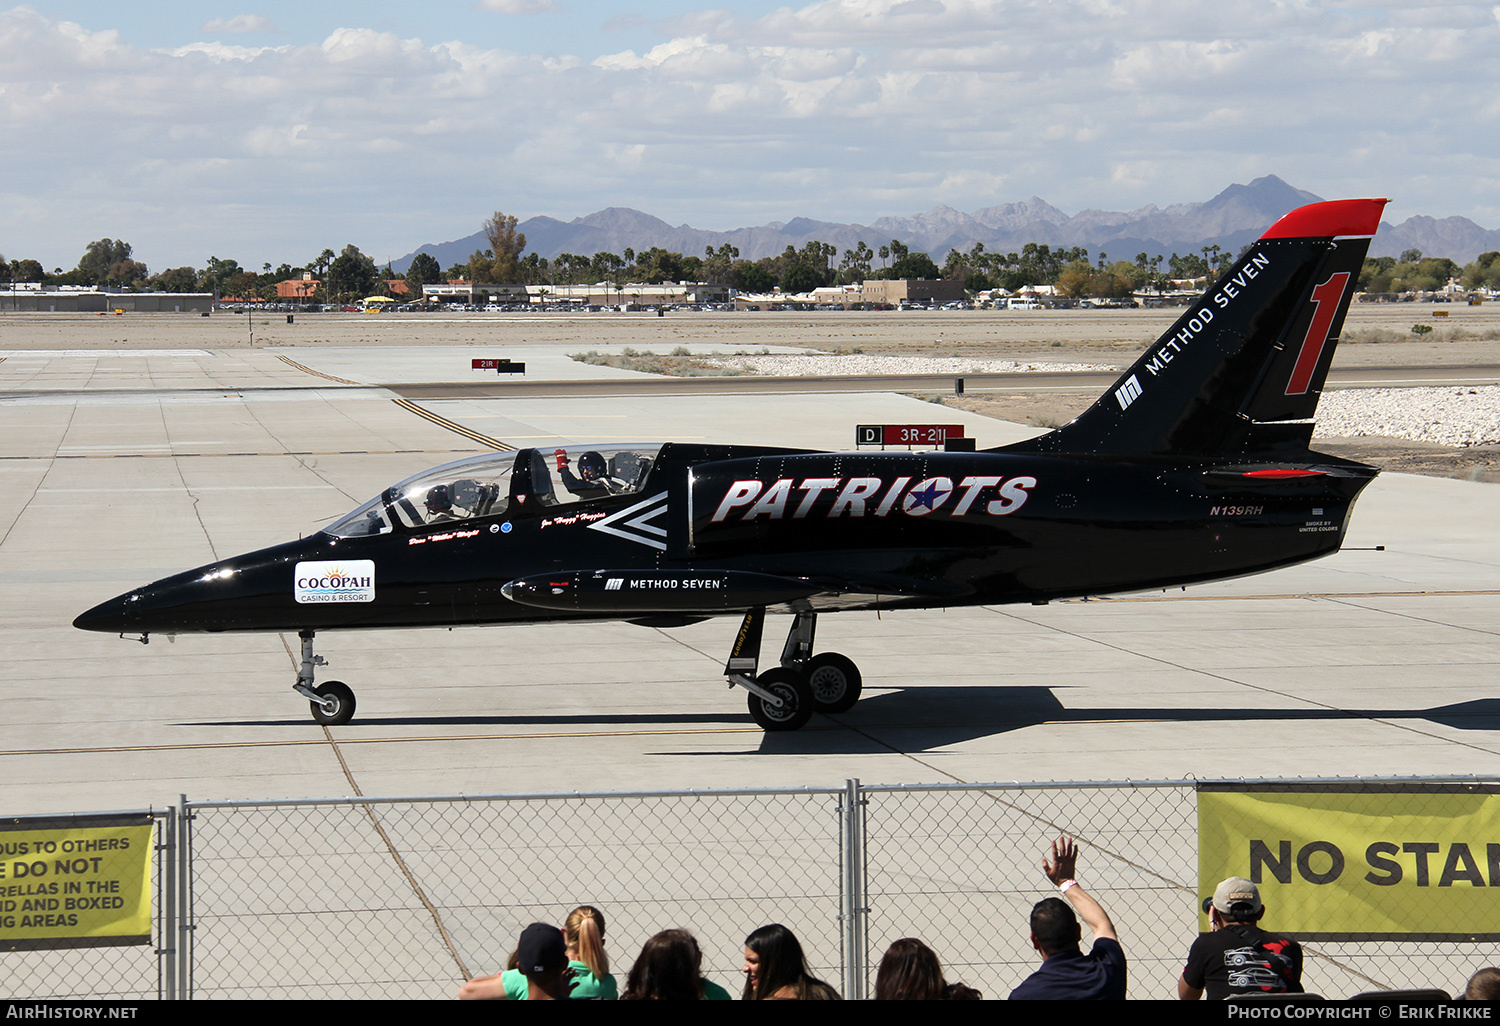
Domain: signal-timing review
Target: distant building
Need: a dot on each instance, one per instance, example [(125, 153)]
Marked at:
[(302, 289), (845, 296), (894, 292), (606, 293), (600, 294), (468, 292), (773, 300), (94, 301)]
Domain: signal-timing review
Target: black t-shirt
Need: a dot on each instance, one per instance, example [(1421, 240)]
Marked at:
[(1242, 958)]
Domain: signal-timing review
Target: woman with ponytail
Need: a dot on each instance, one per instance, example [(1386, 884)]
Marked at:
[(588, 965), (584, 932)]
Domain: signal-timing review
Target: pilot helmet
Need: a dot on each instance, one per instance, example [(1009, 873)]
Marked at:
[(438, 499), (591, 466)]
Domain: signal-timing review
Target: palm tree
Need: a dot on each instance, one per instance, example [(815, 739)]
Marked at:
[(321, 264)]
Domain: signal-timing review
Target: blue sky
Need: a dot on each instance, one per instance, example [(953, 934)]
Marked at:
[(588, 28), (267, 131)]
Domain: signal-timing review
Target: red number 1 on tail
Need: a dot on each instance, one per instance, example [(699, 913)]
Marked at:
[(1326, 298)]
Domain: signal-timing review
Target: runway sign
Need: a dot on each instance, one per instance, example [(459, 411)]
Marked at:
[(498, 366), (906, 434)]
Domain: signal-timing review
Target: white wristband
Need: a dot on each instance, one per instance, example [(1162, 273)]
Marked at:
[(1062, 888)]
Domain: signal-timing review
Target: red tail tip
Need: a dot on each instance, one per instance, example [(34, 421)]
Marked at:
[(1358, 217)]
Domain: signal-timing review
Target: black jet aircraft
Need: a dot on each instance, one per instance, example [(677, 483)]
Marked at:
[(1195, 466)]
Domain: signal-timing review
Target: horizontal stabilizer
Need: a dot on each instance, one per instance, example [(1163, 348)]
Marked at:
[(630, 592)]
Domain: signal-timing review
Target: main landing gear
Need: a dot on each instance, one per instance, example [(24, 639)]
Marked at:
[(331, 703), (785, 697), (782, 698)]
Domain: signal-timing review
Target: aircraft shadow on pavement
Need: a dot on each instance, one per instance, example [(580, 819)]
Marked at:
[(581, 722), (921, 718)]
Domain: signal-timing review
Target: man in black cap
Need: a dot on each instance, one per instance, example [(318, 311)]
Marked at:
[(542, 957), (542, 961), (1238, 957)]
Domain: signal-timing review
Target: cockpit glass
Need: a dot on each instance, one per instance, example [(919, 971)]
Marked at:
[(577, 473), (475, 487)]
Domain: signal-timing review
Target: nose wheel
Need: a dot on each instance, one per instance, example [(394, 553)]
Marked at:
[(331, 703), (334, 704)]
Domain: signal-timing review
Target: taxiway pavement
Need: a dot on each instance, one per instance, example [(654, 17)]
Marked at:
[(118, 467)]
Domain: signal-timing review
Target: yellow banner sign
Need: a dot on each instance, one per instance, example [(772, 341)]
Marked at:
[(1353, 862), (75, 881)]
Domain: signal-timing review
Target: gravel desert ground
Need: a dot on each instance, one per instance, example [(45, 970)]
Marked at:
[(1020, 334)]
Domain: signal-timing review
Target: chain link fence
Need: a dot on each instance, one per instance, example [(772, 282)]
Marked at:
[(960, 868), (407, 897)]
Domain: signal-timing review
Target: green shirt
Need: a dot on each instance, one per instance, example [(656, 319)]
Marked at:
[(586, 986)]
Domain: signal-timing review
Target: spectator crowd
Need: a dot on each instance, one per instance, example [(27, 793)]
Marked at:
[(1237, 959)]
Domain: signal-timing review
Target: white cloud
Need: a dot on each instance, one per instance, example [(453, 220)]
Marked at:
[(225, 51), (1169, 62), (240, 24), (90, 47), (690, 58), (1135, 174), (275, 140), (517, 6), (625, 156), (373, 50), (972, 180)]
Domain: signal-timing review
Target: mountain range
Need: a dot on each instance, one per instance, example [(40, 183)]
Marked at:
[(1230, 220)]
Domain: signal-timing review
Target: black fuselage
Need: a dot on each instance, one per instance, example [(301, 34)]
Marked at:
[(721, 529)]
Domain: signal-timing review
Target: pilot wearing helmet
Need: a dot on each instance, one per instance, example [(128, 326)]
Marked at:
[(592, 479), (440, 504)]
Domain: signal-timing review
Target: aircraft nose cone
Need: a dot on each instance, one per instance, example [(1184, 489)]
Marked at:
[(111, 617)]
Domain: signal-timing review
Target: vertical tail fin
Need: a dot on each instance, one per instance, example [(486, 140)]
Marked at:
[(1241, 371)]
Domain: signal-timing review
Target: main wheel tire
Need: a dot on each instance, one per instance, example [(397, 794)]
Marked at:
[(342, 699), (835, 682), (796, 697)]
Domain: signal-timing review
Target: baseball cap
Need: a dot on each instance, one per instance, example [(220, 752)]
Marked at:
[(1235, 896), (541, 949)]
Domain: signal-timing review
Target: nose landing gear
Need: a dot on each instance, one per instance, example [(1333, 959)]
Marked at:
[(331, 703)]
